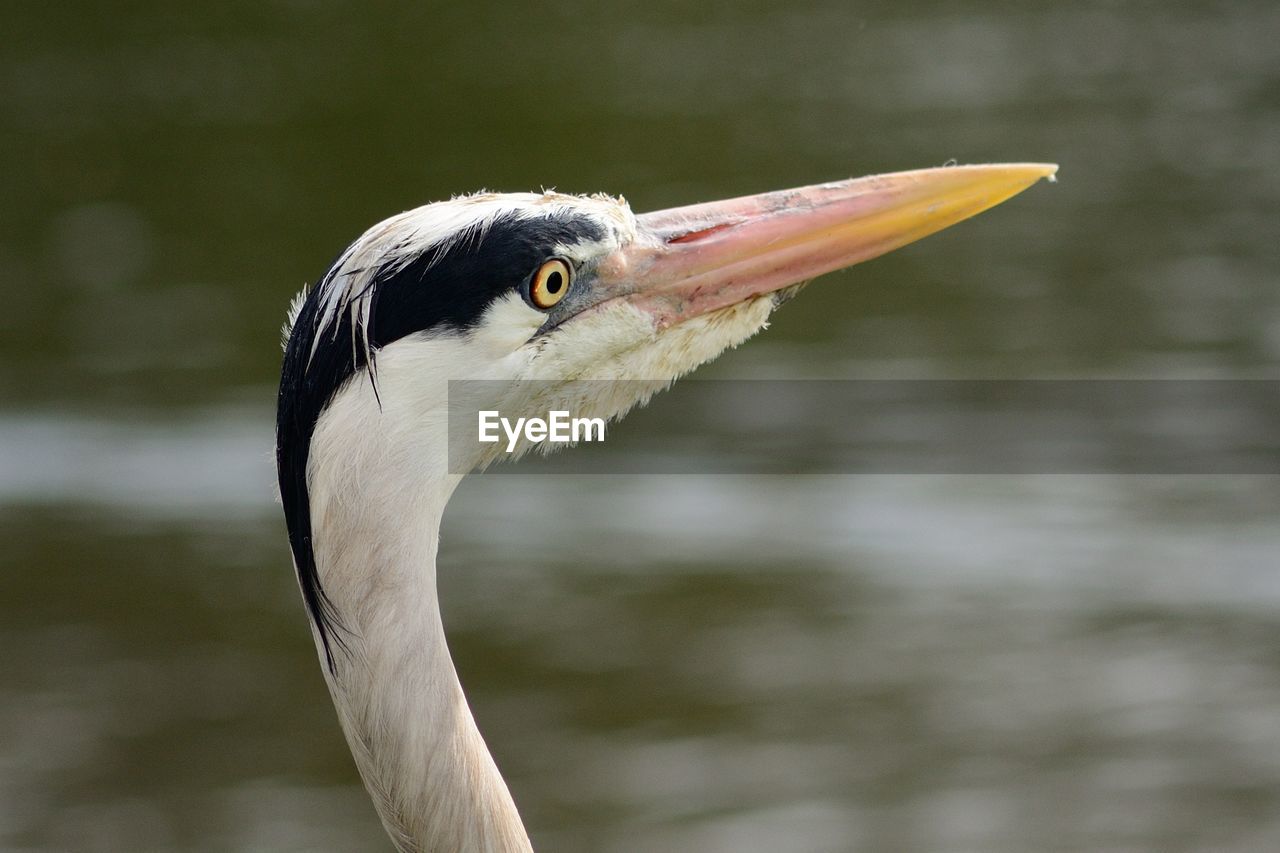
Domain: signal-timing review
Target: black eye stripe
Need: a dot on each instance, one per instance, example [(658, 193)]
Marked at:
[(456, 289)]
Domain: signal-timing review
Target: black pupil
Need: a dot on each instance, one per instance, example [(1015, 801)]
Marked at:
[(554, 282)]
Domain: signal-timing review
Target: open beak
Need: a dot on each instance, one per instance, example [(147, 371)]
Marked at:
[(688, 261)]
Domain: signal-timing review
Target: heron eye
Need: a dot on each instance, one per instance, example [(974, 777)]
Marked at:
[(550, 283)]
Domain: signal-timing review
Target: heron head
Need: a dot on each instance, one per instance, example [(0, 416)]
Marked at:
[(545, 290), (569, 302)]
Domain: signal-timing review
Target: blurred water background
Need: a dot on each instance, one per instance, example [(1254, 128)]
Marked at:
[(984, 662)]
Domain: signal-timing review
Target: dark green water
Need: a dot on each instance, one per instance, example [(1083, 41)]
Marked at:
[(700, 663)]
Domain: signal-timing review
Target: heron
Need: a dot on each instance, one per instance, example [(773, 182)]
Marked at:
[(539, 290)]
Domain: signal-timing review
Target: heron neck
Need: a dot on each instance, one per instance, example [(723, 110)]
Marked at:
[(398, 697)]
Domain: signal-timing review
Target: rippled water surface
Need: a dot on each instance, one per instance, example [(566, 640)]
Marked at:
[(821, 660)]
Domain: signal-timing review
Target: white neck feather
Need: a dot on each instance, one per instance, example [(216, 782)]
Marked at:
[(378, 495), (379, 480)]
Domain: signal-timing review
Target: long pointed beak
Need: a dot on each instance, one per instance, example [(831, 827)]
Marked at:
[(687, 261)]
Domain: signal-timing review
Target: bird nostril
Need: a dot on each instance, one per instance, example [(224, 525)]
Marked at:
[(701, 233)]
